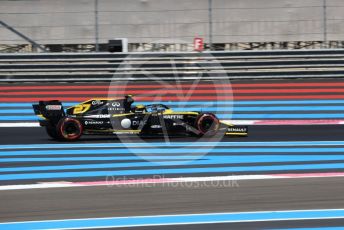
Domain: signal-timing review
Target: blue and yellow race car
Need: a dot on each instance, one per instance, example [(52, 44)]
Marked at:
[(118, 116)]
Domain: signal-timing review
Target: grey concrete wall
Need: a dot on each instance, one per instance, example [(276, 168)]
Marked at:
[(73, 21)]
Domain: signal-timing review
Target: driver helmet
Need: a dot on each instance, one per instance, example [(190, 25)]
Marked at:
[(139, 108)]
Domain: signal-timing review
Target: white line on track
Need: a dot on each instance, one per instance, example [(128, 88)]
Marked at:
[(19, 124)]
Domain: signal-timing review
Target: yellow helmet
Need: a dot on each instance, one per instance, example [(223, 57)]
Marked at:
[(140, 106)]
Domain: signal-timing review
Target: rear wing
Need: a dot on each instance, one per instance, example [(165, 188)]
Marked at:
[(50, 110)]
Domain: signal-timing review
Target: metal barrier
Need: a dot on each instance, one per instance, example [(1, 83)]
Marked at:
[(187, 66)]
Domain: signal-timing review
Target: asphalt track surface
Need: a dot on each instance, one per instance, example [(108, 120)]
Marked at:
[(259, 195), (247, 195)]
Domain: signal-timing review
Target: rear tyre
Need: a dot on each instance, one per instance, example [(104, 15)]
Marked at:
[(69, 129), (207, 124)]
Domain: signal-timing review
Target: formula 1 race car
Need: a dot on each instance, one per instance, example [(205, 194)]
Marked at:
[(118, 116)]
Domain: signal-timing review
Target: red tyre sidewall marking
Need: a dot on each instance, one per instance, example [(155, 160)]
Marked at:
[(73, 137), (215, 119)]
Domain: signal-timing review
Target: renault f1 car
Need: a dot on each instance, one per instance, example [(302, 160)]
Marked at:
[(119, 116)]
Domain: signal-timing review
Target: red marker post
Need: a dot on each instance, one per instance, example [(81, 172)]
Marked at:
[(198, 44)]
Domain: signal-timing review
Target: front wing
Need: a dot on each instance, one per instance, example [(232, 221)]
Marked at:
[(234, 130)]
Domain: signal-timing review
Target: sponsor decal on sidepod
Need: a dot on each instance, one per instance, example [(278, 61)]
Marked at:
[(97, 102), (174, 116), (93, 122)]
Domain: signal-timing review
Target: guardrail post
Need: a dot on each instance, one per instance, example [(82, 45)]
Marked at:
[(96, 25), (325, 23), (210, 21)]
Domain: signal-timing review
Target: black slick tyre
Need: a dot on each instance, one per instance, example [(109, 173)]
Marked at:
[(207, 124), (69, 129)]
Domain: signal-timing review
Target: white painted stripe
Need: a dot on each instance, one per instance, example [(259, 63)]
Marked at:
[(240, 122), (19, 124), (37, 186), (68, 184)]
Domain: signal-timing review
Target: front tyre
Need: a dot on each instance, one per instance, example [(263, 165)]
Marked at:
[(69, 129), (207, 124)]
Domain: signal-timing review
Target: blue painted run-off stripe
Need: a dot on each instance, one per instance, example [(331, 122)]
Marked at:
[(111, 222), (172, 144), (165, 151), (175, 161), (313, 228), (148, 148), (167, 171)]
